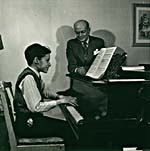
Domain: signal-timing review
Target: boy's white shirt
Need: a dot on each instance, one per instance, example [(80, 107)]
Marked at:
[(32, 95)]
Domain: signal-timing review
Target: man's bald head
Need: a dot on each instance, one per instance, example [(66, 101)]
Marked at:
[(82, 29)]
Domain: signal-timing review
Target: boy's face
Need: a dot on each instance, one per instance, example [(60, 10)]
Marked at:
[(44, 63)]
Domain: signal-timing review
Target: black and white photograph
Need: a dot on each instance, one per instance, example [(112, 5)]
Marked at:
[(74, 75)]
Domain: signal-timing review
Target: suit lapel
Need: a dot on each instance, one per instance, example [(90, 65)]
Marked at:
[(90, 48), (80, 52)]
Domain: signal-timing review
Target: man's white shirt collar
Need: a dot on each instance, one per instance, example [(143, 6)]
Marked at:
[(87, 41)]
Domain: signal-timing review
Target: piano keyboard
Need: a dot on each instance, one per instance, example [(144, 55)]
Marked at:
[(75, 114)]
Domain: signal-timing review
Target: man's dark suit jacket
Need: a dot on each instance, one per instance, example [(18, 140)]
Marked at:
[(75, 53), (92, 100)]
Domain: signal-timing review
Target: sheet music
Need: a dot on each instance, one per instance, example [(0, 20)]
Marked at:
[(96, 61), (101, 63), (76, 115)]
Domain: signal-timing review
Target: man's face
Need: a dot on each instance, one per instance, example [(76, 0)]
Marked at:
[(81, 30), (44, 63)]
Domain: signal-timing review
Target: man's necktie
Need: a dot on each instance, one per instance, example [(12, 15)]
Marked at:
[(85, 49)]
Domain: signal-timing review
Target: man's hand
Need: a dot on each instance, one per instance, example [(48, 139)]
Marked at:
[(81, 70)]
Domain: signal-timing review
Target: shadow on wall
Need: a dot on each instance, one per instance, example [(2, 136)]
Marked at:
[(108, 37), (63, 34)]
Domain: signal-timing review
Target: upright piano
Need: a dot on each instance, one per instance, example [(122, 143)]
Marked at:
[(124, 124)]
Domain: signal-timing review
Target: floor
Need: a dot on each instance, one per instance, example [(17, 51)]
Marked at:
[(4, 145)]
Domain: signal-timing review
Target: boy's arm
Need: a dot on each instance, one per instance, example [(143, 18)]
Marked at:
[(33, 97)]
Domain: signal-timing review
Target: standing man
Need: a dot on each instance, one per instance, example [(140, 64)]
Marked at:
[(81, 52)]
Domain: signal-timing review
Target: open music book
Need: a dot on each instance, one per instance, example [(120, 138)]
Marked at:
[(101, 62)]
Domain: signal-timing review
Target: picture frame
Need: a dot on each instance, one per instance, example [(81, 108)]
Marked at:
[(141, 25)]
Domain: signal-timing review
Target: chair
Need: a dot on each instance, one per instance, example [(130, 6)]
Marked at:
[(24, 144)]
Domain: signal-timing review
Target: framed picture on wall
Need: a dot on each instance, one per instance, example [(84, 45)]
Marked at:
[(141, 25)]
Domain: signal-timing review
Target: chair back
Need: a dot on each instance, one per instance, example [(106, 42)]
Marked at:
[(8, 88), (5, 96)]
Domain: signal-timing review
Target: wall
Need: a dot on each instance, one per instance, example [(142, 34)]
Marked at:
[(49, 22)]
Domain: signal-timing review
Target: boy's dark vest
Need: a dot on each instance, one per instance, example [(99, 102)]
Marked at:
[(19, 102)]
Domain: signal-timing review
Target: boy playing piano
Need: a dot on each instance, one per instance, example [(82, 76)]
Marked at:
[(31, 101)]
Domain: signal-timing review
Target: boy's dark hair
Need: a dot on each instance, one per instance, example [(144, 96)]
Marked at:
[(35, 50)]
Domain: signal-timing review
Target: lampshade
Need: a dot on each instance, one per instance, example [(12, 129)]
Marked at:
[(1, 43)]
